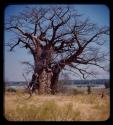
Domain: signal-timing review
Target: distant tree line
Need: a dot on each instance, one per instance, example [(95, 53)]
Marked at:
[(105, 82)]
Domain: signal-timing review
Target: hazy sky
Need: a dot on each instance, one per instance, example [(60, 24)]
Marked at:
[(13, 68)]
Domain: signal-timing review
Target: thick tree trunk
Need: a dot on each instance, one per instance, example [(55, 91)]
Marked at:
[(54, 82), (44, 78), (42, 81), (45, 81)]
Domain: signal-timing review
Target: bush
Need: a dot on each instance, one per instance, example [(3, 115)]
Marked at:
[(107, 85), (11, 90), (75, 92), (88, 89)]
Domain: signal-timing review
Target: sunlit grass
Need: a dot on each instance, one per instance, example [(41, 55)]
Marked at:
[(80, 107), (48, 111)]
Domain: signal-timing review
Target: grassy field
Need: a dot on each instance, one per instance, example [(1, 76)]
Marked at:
[(76, 107)]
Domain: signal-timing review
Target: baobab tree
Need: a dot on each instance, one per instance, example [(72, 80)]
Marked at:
[(57, 37)]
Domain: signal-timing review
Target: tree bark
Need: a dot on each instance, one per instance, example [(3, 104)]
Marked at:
[(41, 81), (45, 80), (47, 77), (54, 82)]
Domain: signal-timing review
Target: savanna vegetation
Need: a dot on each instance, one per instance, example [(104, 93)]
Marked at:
[(59, 39), (76, 105)]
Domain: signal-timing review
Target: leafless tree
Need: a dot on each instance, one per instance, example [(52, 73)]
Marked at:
[(58, 37)]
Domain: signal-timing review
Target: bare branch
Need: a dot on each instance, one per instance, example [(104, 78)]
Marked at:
[(58, 36), (101, 32), (84, 73), (15, 27), (15, 45)]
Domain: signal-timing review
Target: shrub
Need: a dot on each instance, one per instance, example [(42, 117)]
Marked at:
[(107, 85), (75, 92), (11, 90), (88, 89)]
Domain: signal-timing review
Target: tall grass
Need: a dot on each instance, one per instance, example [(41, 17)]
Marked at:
[(48, 111), (79, 107)]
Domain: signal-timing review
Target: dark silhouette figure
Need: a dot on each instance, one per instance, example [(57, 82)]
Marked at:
[(102, 94), (89, 89)]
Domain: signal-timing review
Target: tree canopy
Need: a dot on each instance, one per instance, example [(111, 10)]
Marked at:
[(61, 36)]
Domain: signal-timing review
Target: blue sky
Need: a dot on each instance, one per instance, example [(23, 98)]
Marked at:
[(13, 68)]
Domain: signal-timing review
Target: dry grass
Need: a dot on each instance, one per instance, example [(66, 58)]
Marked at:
[(80, 107)]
